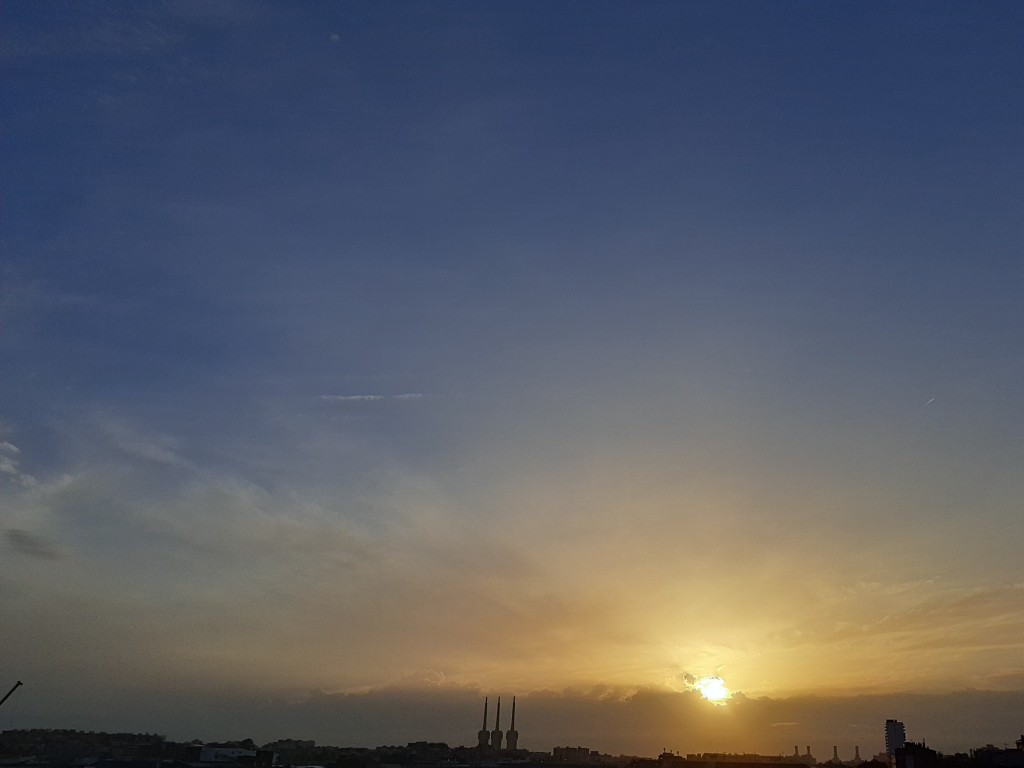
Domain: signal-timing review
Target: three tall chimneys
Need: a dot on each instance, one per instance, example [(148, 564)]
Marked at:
[(493, 738)]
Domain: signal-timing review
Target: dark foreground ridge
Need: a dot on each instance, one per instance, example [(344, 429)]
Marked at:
[(52, 748)]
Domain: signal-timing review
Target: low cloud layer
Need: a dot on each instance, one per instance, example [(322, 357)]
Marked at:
[(640, 721)]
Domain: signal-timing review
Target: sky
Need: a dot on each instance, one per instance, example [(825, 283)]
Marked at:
[(361, 360)]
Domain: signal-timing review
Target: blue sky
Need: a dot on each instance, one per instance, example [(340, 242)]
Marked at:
[(511, 345)]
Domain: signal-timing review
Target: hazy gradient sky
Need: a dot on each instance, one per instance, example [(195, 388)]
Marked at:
[(367, 352)]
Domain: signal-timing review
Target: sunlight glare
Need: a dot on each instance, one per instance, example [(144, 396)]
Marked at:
[(713, 689)]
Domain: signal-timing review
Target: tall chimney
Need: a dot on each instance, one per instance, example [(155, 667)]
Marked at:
[(482, 736), (512, 735), (835, 754), (496, 733)]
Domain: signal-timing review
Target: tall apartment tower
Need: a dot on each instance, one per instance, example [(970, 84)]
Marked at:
[(496, 733), (483, 738), (895, 736), (512, 735)]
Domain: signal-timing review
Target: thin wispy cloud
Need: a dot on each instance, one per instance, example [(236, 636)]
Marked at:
[(350, 398), (10, 465), (157, 448), (33, 545), (371, 398)]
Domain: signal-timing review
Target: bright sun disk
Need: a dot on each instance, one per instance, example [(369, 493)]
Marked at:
[(713, 689)]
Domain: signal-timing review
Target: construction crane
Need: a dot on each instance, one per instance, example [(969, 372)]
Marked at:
[(8, 694)]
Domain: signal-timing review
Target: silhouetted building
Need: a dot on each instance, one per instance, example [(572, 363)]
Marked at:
[(482, 736), (496, 733), (991, 756), (856, 761), (574, 754), (728, 760), (512, 735), (806, 759), (212, 754), (895, 736), (912, 755)]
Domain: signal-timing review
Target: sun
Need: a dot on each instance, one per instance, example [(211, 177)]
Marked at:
[(713, 689)]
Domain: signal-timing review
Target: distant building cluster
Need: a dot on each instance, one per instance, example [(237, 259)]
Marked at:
[(910, 754), (575, 755), (47, 748), (914, 755)]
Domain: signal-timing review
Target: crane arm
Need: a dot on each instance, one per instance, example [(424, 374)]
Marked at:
[(8, 694)]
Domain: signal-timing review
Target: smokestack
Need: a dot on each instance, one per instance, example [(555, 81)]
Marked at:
[(482, 737), (796, 751), (835, 754), (856, 754), (512, 735), (496, 733)]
